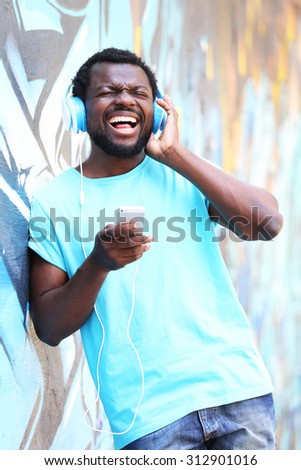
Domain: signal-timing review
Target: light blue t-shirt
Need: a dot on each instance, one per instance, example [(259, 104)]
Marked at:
[(188, 327)]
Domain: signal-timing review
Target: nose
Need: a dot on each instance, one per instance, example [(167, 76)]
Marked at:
[(124, 98)]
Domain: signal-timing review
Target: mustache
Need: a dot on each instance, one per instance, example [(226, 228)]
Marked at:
[(120, 107)]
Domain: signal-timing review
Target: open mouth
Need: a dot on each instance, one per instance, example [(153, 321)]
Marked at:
[(123, 122)]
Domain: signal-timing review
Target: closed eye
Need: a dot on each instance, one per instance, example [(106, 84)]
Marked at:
[(104, 93), (141, 94)]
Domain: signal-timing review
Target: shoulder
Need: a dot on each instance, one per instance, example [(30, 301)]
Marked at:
[(58, 186), (169, 177)]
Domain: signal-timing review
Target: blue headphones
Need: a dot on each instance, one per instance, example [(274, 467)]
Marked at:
[(74, 113)]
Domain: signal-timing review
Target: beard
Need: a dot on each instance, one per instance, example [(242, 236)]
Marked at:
[(106, 144)]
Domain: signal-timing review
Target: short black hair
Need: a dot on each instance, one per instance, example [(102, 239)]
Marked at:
[(113, 55)]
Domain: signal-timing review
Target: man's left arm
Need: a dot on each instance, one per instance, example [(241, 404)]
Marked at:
[(249, 211)]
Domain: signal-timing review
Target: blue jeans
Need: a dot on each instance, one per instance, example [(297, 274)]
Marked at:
[(244, 425)]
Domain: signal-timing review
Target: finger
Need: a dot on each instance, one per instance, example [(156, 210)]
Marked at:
[(152, 138), (169, 108), (111, 233), (167, 98), (122, 229), (126, 233), (165, 102), (132, 253), (132, 242)]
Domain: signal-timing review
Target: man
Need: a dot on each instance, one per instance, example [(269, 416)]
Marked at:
[(169, 346)]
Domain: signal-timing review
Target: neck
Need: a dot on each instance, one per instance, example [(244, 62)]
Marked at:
[(100, 165)]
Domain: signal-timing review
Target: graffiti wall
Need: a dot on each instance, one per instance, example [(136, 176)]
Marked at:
[(233, 70)]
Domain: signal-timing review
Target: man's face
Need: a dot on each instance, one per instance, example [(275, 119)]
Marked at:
[(119, 106)]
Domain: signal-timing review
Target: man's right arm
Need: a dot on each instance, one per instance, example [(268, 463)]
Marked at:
[(59, 305)]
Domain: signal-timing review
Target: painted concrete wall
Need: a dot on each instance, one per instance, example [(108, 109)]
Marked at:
[(233, 70)]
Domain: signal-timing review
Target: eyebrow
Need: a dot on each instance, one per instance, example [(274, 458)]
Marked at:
[(119, 85)]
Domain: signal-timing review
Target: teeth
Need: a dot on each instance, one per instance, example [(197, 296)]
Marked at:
[(116, 119)]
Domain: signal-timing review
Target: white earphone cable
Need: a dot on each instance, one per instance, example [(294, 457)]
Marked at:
[(82, 202)]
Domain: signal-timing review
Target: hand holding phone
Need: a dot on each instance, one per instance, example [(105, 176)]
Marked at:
[(132, 214), (116, 246)]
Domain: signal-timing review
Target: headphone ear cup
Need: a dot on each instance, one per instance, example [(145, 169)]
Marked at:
[(160, 115), (74, 113)]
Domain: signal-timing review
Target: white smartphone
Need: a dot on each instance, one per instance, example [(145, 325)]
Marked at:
[(132, 213)]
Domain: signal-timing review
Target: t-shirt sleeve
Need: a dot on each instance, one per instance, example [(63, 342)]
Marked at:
[(42, 237)]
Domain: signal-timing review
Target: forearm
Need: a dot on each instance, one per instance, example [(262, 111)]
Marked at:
[(251, 212), (60, 306), (59, 312)]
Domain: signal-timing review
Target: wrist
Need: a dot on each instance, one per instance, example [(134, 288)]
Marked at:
[(173, 155), (96, 264)]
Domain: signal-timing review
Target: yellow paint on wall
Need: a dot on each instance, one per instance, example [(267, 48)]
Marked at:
[(241, 60), (250, 10), (137, 40), (210, 63), (179, 111), (249, 38), (291, 26), (282, 67), (257, 6), (275, 94), (261, 27), (235, 137)]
